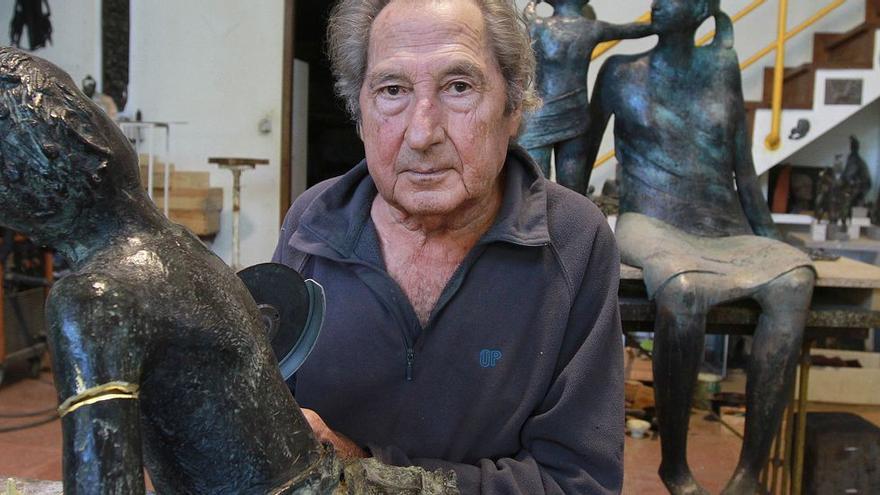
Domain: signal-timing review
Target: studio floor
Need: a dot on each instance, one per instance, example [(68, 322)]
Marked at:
[(35, 453)]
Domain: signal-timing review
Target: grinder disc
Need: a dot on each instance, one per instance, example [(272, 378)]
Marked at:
[(292, 310)]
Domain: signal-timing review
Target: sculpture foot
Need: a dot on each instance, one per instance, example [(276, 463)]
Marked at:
[(681, 482), (742, 483)]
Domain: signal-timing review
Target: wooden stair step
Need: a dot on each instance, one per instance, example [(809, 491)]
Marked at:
[(200, 223), (872, 12), (851, 50), (202, 199), (798, 86)]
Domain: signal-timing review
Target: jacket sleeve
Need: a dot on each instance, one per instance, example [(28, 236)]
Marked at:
[(573, 443)]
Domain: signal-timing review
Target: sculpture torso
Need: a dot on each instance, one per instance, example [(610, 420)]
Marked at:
[(563, 46), (674, 133), (147, 310)]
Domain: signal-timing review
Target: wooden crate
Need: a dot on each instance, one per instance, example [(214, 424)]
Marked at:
[(846, 385)]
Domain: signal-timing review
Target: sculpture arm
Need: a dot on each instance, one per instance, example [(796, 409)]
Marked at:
[(610, 32), (96, 367), (600, 114), (573, 442), (747, 184)]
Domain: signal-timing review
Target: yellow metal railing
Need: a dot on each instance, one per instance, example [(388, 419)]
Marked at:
[(772, 141), (788, 35), (794, 32)]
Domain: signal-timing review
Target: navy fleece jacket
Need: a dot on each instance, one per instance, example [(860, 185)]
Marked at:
[(516, 382)]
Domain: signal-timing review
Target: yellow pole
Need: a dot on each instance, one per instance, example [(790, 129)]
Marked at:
[(794, 32), (801, 433), (772, 142), (604, 158)]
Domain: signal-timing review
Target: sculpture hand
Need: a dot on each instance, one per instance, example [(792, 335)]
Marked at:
[(345, 448)]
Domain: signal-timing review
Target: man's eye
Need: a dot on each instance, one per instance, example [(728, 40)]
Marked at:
[(460, 87), (392, 90)]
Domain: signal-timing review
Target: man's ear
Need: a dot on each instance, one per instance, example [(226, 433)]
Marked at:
[(515, 124), (359, 129)]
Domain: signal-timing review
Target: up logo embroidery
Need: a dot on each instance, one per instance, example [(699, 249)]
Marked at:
[(489, 357)]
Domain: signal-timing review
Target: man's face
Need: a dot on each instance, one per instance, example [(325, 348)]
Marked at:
[(433, 116)]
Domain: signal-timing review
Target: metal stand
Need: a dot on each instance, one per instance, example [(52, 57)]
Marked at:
[(140, 132), (236, 166)]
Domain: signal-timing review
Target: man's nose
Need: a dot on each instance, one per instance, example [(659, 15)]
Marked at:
[(425, 127)]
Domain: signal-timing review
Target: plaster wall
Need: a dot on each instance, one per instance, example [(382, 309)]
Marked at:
[(76, 36), (218, 67)]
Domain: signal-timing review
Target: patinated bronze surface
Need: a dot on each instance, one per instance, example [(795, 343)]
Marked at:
[(693, 217), (159, 352), (564, 44)]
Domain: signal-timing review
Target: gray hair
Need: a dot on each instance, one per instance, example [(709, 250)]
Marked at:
[(348, 37)]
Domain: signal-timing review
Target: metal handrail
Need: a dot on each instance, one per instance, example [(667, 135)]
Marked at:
[(735, 17), (820, 14), (772, 141)]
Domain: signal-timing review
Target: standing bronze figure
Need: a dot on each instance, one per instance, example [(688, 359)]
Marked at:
[(159, 352), (682, 141), (564, 45)]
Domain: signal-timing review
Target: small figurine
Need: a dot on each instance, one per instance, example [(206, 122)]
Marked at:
[(856, 174), (564, 45)]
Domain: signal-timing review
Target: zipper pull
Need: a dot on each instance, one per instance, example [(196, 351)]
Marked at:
[(410, 357)]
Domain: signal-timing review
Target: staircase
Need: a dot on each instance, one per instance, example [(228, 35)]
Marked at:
[(854, 55)]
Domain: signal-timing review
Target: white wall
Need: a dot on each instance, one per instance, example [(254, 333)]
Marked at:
[(217, 65), (76, 36)]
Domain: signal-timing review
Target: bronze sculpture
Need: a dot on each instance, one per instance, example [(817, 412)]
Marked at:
[(159, 352), (682, 142), (564, 45)]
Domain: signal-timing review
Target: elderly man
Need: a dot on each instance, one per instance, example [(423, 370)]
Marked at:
[(472, 305)]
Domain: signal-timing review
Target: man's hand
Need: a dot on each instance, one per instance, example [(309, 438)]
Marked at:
[(345, 448)]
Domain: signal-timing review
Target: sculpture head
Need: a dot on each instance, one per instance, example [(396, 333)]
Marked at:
[(60, 155), (348, 37), (89, 86), (669, 16)]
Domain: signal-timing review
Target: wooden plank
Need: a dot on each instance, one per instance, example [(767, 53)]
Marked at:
[(237, 162), (198, 222), (210, 199), (179, 180)]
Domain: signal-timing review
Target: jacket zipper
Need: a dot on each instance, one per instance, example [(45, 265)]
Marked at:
[(410, 359)]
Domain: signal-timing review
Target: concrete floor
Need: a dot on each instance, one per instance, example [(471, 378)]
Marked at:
[(36, 452)]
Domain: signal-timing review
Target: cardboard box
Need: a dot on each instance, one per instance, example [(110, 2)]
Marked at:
[(846, 385)]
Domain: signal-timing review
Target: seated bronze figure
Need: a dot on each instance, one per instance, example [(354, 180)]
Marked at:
[(159, 352), (693, 217), (564, 44)]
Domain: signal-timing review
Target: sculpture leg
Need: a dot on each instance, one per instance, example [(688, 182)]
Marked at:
[(571, 164), (771, 371), (541, 155), (679, 333)]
